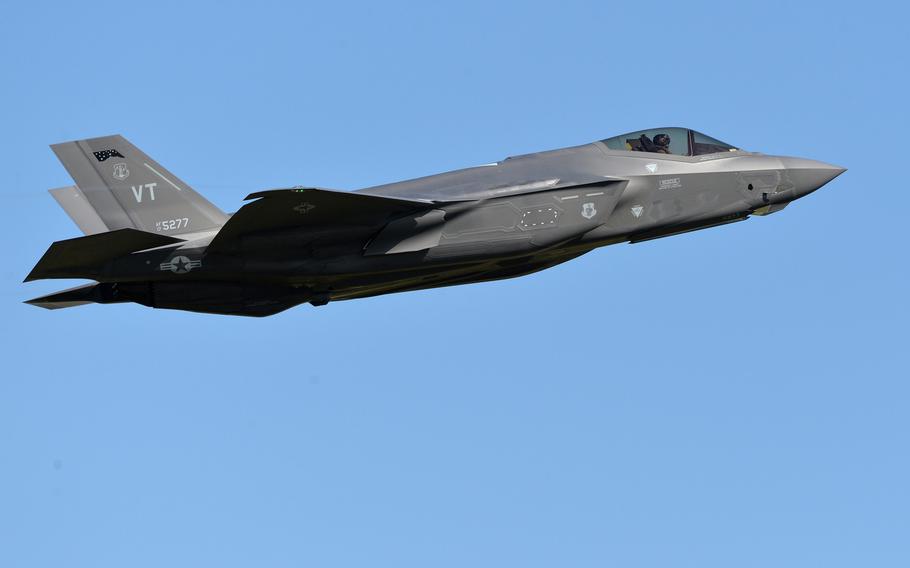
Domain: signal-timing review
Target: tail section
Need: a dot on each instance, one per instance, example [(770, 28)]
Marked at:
[(79, 209), (119, 187), (85, 257), (70, 298), (226, 298)]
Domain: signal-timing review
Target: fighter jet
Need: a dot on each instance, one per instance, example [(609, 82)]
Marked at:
[(151, 239)]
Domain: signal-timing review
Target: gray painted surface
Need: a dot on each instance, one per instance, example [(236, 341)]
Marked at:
[(517, 216), (128, 189), (72, 200)]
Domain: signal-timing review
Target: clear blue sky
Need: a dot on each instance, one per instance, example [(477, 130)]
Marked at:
[(732, 397)]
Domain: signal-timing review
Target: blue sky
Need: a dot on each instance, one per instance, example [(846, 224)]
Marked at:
[(736, 396)]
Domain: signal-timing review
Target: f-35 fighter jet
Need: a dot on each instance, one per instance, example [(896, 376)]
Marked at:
[(152, 240)]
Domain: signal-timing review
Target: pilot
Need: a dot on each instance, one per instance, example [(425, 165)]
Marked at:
[(662, 144)]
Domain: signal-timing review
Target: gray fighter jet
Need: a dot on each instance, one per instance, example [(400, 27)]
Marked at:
[(152, 240)]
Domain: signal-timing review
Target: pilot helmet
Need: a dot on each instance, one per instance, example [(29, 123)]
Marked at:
[(662, 139)]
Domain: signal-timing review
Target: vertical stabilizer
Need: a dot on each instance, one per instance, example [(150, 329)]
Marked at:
[(127, 189)]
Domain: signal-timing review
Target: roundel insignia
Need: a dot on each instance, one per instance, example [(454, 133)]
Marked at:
[(180, 265)]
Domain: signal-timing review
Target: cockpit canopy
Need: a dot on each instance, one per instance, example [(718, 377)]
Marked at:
[(677, 141)]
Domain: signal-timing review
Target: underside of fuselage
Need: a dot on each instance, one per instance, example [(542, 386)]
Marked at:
[(256, 297)]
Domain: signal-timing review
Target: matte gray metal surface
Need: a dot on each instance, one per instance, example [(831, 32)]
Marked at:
[(72, 201), (289, 246)]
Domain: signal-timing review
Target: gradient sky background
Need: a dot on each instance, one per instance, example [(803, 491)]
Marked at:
[(731, 397)]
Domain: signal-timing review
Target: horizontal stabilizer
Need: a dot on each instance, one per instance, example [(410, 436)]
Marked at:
[(84, 257), (310, 208), (78, 296)]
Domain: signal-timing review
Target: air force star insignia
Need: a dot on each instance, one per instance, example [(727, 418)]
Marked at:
[(180, 265)]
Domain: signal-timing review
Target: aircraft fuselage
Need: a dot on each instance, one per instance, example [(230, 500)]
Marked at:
[(501, 220)]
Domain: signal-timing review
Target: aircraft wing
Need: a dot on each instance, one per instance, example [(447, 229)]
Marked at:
[(316, 209)]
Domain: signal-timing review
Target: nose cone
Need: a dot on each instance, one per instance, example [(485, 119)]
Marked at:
[(809, 175)]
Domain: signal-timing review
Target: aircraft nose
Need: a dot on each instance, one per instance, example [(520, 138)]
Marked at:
[(809, 175)]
